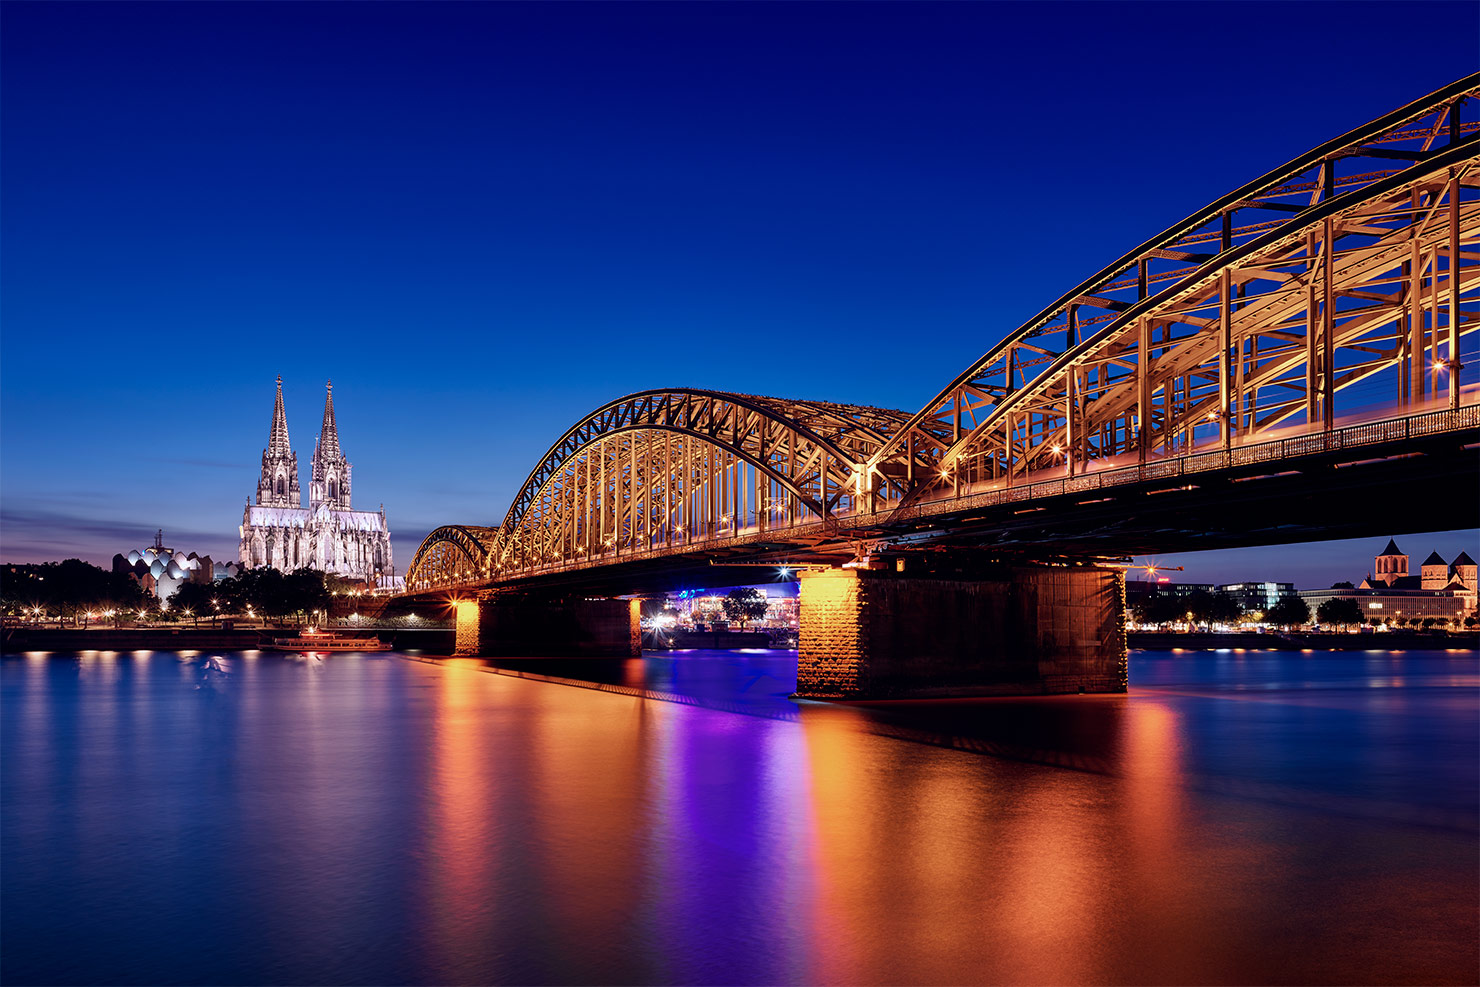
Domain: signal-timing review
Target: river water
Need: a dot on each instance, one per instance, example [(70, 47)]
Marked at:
[(252, 818)]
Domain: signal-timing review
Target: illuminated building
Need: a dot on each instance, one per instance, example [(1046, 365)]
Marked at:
[(328, 535), (1257, 596), (1141, 589), (161, 570), (1441, 589)]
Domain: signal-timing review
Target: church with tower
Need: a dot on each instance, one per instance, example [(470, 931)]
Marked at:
[(328, 534), (1459, 578)]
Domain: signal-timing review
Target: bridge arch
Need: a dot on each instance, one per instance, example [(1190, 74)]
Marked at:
[(1342, 265), (668, 468), (451, 555)]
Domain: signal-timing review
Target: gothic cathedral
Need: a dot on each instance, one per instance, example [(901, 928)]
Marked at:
[(278, 531)]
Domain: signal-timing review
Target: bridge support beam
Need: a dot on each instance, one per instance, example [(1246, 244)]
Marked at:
[(506, 626), (1015, 630)]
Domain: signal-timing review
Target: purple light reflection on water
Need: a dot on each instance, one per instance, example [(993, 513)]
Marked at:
[(1262, 817)]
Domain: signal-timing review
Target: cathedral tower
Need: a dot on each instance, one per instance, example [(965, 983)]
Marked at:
[(1392, 564), (330, 481), (278, 485), (1434, 573)]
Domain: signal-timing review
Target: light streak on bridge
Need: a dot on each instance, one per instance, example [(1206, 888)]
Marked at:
[(1256, 331)]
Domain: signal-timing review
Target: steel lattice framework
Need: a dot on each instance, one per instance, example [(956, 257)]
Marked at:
[(1230, 332), (668, 469), (1320, 274), (677, 467), (451, 555)]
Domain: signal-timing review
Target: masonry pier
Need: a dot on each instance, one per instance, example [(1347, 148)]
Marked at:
[(499, 625), (999, 630)]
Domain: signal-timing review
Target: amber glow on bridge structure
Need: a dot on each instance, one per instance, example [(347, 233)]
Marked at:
[(1226, 340)]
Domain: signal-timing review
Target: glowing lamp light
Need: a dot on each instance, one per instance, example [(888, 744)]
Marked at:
[(1055, 450)]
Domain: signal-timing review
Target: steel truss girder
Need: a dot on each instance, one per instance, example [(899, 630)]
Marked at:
[(695, 443), (451, 555), (1361, 330), (1289, 192)]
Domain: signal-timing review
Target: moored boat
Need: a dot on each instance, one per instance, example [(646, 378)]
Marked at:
[(314, 639)]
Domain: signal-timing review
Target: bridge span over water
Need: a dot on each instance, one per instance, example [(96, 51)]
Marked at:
[(1293, 361)]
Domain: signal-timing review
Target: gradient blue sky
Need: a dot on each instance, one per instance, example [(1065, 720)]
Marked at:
[(483, 220)]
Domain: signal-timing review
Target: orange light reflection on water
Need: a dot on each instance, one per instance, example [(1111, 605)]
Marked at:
[(464, 809)]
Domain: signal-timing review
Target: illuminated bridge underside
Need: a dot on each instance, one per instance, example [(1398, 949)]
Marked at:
[(1272, 327)]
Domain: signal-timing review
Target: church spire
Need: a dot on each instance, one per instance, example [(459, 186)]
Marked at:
[(329, 434), (277, 440), (330, 482), (278, 485)]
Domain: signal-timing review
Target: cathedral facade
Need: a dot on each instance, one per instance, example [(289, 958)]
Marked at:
[(328, 535)]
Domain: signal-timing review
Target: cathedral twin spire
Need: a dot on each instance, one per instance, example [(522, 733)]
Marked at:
[(277, 442), (278, 485), (330, 480)]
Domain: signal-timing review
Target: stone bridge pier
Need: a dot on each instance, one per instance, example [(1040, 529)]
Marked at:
[(502, 625), (960, 629), (999, 630)]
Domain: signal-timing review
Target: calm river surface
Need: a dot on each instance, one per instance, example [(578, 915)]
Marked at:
[(252, 818)]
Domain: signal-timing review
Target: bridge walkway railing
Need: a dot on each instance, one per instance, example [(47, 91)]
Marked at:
[(1274, 451), (1351, 437)]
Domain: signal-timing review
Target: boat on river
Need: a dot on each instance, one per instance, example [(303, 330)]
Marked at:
[(314, 639)]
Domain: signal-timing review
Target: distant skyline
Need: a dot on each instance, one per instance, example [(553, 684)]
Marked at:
[(484, 220), (1311, 565)]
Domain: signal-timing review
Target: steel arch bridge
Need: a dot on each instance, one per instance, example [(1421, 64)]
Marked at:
[(1238, 336)]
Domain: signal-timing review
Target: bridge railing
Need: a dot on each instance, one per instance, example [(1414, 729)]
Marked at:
[(1337, 440), (749, 536), (1352, 437)]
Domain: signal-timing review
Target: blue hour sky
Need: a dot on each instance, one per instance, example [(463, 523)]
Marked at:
[(482, 221)]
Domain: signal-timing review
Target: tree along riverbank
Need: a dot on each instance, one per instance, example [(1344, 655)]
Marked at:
[(1303, 640)]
